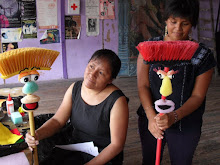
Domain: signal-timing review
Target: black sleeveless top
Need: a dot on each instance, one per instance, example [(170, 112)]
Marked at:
[(91, 122)]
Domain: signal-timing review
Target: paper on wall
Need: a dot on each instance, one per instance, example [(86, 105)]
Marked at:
[(47, 14), (107, 9), (11, 35), (92, 7), (73, 7), (92, 25)]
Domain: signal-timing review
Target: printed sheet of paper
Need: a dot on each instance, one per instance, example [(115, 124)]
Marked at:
[(50, 36), (107, 9), (87, 147), (11, 35), (92, 17), (92, 25), (28, 9), (0, 45), (74, 7), (92, 7), (9, 46), (47, 14), (10, 14), (72, 26), (29, 28)]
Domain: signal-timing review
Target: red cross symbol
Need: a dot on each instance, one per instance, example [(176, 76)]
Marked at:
[(74, 6)]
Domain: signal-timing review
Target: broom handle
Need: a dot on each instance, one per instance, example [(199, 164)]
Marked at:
[(32, 129), (159, 141), (158, 151)]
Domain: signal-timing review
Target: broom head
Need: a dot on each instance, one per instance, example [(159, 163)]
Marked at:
[(16, 61), (167, 52)]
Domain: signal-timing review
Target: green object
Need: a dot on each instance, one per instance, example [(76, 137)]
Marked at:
[(20, 141), (30, 87)]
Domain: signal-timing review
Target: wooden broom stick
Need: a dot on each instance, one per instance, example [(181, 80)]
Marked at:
[(32, 129)]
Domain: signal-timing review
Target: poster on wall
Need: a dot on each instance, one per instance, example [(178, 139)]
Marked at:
[(47, 14), (11, 35), (10, 13), (73, 7), (29, 29), (9, 46), (28, 9), (0, 45), (92, 26), (107, 9), (72, 27), (145, 22), (50, 36), (92, 7)]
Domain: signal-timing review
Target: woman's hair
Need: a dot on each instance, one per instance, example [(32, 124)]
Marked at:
[(111, 57), (184, 9)]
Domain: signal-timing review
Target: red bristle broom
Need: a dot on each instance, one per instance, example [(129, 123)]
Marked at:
[(167, 53)]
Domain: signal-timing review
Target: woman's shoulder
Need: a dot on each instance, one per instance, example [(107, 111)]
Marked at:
[(112, 87), (116, 92), (76, 84), (159, 38), (74, 87), (202, 53)]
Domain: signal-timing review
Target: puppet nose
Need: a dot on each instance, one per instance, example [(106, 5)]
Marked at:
[(166, 87), (30, 87)]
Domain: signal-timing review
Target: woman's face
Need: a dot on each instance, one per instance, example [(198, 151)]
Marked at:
[(178, 29), (97, 74)]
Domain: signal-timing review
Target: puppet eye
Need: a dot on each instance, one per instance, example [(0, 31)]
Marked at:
[(25, 79), (34, 77), (161, 76), (171, 76)]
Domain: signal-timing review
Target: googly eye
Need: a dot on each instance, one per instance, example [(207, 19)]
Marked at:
[(34, 77), (161, 76), (171, 76), (25, 79)]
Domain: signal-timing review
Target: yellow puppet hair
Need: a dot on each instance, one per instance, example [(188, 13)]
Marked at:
[(18, 60)]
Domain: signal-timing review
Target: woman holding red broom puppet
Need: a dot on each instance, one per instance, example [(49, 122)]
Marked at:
[(175, 88)]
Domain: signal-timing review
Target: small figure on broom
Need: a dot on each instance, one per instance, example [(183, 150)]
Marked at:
[(26, 62)]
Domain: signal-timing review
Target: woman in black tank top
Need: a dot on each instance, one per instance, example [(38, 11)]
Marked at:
[(98, 112)]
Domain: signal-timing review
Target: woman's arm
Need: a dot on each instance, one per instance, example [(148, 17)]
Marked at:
[(53, 125), (194, 102), (145, 96), (118, 128)]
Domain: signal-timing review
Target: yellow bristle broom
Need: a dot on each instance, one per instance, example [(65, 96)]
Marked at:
[(14, 61), (22, 60)]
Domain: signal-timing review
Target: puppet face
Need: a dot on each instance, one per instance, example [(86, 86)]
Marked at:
[(29, 102), (163, 105), (28, 78)]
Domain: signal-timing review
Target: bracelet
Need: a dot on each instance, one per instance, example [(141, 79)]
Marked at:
[(149, 107), (175, 116)]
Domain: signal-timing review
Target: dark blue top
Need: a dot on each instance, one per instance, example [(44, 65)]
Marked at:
[(183, 83)]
